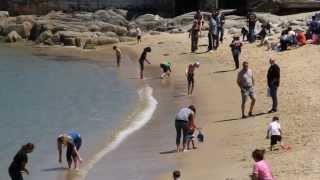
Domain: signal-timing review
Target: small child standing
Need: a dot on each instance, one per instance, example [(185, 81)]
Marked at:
[(190, 135), (261, 169), (139, 35), (118, 55), (274, 132), (176, 175)]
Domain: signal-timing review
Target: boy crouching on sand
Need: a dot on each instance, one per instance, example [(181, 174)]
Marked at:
[(166, 69), (274, 133)]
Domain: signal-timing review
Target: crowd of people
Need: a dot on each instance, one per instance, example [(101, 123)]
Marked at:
[(185, 123)]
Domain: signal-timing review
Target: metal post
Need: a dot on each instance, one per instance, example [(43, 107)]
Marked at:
[(217, 4)]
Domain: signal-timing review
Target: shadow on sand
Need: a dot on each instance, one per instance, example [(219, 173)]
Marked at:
[(55, 169), (169, 152), (237, 119), (224, 71)]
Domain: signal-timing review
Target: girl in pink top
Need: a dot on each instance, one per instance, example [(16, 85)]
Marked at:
[(261, 170)]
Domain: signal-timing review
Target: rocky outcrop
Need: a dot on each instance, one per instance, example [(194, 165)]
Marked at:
[(13, 36)]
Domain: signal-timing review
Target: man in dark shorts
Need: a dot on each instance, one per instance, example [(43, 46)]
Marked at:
[(190, 76), (19, 162), (143, 58), (73, 141)]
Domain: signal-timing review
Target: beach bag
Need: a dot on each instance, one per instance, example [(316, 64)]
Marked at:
[(200, 137)]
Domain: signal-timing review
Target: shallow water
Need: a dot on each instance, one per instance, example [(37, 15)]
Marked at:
[(41, 97)]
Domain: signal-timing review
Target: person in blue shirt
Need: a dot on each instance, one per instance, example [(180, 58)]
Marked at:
[(72, 140)]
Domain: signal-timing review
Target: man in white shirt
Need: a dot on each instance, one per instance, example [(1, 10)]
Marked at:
[(274, 132), (181, 123), (245, 81)]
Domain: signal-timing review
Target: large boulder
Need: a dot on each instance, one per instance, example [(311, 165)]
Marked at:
[(150, 21), (68, 38), (126, 39), (103, 40), (23, 29), (111, 16), (4, 14), (24, 18), (45, 36), (13, 36), (105, 27), (37, 29)]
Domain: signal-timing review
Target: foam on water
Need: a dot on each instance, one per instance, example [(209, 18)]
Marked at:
[(137, 122)]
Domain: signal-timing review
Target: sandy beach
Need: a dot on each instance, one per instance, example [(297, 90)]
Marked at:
[(229, 140)]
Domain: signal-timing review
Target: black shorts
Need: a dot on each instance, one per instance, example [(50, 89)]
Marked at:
[(190, 78), (274, 139), (164, 68), (15, 174), (70, 154), (139, 37), (141, 66)]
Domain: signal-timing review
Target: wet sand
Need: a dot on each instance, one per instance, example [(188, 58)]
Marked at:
[(229, 140)]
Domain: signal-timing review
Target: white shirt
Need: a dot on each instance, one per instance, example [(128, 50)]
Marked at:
[(274, 128), (246, 78), (139, 32), (183, 114)]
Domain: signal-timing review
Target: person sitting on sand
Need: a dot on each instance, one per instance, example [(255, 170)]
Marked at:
[(301, 38), (20, 161), (190, 76), (176, 175), (166, 68), (142, 59), (284, 40), (72, 141), (274, 133), (235, 46), (245, 81), (139, 35), (118, 55), (181, 123), (261, 169)]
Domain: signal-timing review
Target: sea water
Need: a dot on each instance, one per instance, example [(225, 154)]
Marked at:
[(41, 97)]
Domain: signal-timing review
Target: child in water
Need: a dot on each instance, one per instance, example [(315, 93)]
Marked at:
[(166, 68), (143, 58), (118, 55)]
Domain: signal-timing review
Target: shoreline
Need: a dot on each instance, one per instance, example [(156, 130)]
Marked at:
[(229, 140)]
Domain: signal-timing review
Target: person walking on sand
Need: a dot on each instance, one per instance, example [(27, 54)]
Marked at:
[(245, 81), (142, 59), (261, 169), (199, 18), (72, 141), (251, 19), (139, 35), (20, 161), (194, 35), (176, 175), (236, 45), (212, 33), (181, 123), (274, 133), (118, 55), (190, 76), (273, 78)]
